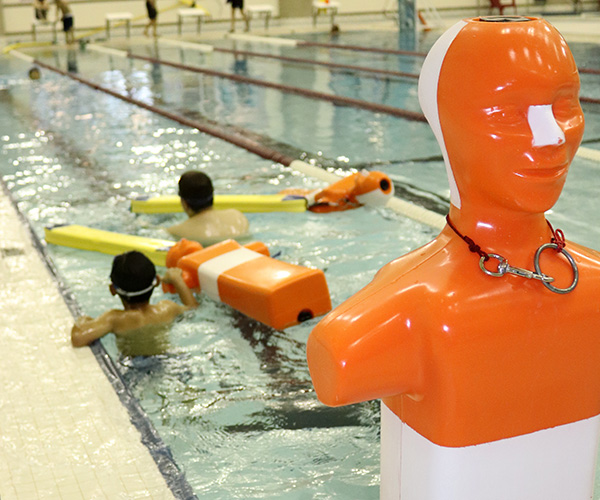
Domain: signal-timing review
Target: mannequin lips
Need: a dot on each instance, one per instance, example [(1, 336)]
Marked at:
[(552, 173)]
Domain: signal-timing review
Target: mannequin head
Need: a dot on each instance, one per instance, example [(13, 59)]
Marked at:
[(502, 96)]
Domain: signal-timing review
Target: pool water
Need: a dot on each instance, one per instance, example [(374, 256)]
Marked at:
[(232, 398)]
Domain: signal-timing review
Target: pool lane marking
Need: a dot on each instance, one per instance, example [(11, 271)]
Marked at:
[(298, 60), (106, 50), (23, 57), (313, 94), (263, 39), (302, 43), (201, 47)]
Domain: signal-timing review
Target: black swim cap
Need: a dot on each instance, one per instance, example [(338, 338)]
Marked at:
[(196, 189), (134, 276)]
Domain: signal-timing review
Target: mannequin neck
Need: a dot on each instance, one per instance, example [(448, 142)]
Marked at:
[(498, 231)]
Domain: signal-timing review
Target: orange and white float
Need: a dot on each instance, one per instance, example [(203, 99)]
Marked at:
[(273, 292)]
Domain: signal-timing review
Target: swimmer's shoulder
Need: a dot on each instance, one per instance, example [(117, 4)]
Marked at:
[(162, 312)]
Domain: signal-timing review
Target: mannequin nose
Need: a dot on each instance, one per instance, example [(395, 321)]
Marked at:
[(545, 130)]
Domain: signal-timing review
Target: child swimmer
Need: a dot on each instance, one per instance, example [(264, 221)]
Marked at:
[(138, 326), (205, 224)]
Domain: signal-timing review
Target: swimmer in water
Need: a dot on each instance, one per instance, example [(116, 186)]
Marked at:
[(139, 326), (205, 224), (488, 375)]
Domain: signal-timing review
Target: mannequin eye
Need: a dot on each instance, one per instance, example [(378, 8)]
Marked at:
[(506, 115), (566, 107)]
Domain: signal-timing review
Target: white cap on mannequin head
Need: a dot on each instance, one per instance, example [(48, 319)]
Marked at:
[(428, 87)]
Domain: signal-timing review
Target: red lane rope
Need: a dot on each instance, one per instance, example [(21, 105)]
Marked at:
[(359, 48), (589, 71), (213, 130), (589, 100), (339, 100), (298, 60)]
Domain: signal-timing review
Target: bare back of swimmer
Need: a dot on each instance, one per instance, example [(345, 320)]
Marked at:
[(205, 224)]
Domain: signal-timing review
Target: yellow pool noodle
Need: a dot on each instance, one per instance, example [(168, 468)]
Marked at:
[(97, 240), (242, 202)]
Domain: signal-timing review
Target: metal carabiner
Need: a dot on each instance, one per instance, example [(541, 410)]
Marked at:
[(504, 268), (536, 263)]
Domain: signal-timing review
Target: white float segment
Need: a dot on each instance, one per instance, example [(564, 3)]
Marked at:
[(263, 39), (551, 464), (588, 154), (376, 198), (209, 272), (106, 50), (20, 55), (200, 47), (317, 172)]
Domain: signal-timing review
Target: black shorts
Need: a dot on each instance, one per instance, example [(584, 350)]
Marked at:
[(67, 22), (151, 11), (236, 4)]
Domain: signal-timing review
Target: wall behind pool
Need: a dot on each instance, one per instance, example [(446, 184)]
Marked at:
[(17, 15)]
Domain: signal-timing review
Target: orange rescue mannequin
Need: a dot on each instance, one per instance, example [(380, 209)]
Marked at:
[(462, 358)]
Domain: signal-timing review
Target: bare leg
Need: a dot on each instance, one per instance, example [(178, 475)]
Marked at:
[(246, 20), (232, 29)]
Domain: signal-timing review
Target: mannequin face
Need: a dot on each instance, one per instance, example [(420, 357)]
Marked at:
[(510, 114)]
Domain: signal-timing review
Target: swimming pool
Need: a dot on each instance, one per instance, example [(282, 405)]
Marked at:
[(233, 399)]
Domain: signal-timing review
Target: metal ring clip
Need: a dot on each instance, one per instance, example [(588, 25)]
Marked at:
[(505, 268), (536, 263), (501, 265)]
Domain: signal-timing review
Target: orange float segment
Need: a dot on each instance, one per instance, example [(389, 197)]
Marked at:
[(273, 292), (280, 295), (355, 190), (180, 249), (356, 187), (258, 246)]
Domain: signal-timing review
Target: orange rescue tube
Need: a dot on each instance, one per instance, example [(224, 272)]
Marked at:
[(275, 293), (358, 189)]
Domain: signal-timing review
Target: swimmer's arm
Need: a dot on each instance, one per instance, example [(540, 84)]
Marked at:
[(86, 329), (173, 277)]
